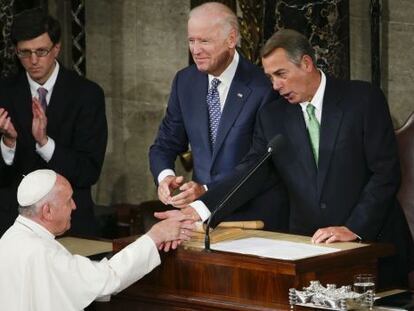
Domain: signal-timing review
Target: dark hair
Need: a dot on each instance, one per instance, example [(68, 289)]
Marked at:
[(294, 43), (32, 23)]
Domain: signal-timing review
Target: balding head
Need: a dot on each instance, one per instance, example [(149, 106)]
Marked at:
[(213, 33), (218, 14)]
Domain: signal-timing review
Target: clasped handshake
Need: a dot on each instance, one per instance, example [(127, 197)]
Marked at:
[(176, 225)]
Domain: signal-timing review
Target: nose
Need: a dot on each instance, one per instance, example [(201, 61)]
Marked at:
[(73, 205), (34, 58), (195, 48), (277, 85)]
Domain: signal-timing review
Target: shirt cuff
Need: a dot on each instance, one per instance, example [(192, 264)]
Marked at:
[(7, 153), (46, 152), (165, 173), (201, 210)]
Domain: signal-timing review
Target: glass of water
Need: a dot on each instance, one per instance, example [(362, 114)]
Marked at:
[(364, 283)]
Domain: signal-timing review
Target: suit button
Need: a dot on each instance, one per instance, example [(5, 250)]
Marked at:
[(323, 205)]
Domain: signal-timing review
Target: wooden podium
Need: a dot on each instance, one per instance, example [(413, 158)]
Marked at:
[(191, 278)]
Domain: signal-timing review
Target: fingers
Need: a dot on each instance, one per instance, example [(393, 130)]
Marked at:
[(164, 193), (167, 186), (192, 213), (177, 181), (167, 246), (191, 191), (37, 108), (7, 128), (321, 235), (168, 214), (333, 234), (174, 244), (182, 199)]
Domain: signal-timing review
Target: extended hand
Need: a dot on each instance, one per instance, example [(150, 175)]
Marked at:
[(39, 123), (191, 217), (333, 234), (189, 212), (174, 229), (167, 186), (191, 191), (7, 129)]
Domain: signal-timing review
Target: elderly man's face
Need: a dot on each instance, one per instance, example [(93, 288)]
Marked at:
[(62, 208), (39, 68), (211, 47), (291, 80)]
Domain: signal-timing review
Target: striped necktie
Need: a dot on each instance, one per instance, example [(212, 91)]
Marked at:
[(42, 97)]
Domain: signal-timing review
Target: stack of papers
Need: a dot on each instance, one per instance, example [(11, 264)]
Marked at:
[(276, 249)]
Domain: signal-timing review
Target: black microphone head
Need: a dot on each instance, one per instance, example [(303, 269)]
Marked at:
[(275, 143)]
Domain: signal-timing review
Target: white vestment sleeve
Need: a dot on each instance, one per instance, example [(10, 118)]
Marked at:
[(132, 263), (78, 281)]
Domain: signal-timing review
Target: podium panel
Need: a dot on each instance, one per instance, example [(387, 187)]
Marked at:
[(191, 278)]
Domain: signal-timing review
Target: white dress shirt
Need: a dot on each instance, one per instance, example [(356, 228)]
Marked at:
[(223, 89), (46, 151), (316, 101), (38, 273)]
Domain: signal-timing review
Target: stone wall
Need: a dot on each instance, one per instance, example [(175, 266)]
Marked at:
[(397, 57), (134, 49)]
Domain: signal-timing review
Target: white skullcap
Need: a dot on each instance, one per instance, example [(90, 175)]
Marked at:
[(35, 186)]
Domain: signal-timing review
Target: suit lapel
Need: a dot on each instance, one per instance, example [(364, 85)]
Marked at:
[(57, 104), (298, 135), (22, 116), (330, 125), (236, 98), (22, 103), (197, 106)]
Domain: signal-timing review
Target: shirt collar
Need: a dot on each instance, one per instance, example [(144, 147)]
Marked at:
[(317, 99), (48, 85), (227, 75), (35, 227)]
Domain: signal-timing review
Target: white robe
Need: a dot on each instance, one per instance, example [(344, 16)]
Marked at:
[(38, 274)]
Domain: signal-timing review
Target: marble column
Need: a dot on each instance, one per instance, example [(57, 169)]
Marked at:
[(326, 24)]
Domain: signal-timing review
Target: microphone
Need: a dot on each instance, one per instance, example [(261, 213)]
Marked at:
[(274, 144)]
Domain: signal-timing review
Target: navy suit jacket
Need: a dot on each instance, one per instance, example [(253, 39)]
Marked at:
[(77, 123), (186, 123), (358, 174)]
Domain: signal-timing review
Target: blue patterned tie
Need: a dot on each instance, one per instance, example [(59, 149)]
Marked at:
[(42, 97), (214, 111)]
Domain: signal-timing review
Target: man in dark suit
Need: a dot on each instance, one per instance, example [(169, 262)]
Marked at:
[(51, 118), (242, 89), (339, 161)]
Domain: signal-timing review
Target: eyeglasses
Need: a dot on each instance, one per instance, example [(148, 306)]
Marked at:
[(38, 52)]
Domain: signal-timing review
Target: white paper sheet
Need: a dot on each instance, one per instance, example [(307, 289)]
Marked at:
[(273, 248)]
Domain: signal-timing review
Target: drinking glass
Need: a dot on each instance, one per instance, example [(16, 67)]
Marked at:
[(364, 283)]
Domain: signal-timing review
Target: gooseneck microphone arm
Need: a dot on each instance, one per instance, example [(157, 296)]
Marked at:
[(273, 144)]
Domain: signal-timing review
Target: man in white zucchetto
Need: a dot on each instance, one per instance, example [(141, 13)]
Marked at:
[(38, 273)]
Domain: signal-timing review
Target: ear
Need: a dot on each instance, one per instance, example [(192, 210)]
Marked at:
[(232, 39), (56, 49), (47, 212), (307, 63)]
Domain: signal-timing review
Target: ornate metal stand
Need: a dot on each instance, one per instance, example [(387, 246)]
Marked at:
[(7, 64), (78, 36)]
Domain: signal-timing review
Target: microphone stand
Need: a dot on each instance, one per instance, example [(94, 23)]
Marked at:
[(236, 187)]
